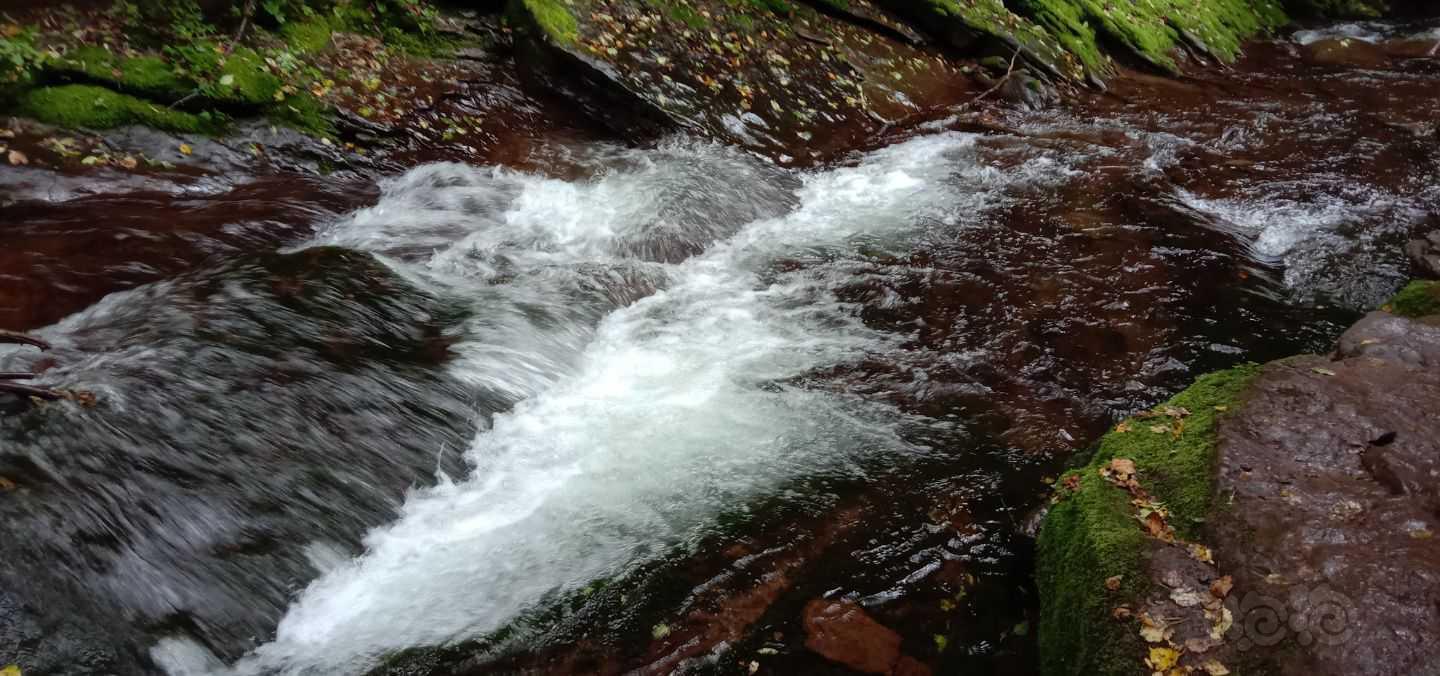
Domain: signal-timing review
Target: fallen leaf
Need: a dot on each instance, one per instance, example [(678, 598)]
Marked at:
[(1123, 427), (754, 666), (18, 158), (1124, 468), (1161, 659), (1221, 587), (185, 149), (1213, 667), (1185, 597), (1201, 553), (1422, 534), (129, 162), (1122, 613), (1221, 620), (660, 631), (1153, 631), (1113, 583), (1159, 429), (1323, 372), (227, 80)]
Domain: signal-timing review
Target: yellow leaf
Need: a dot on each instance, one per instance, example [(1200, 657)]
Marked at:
[(1222, 620), (11, 670), (185, 149), (1213, 667), (1153, 631), (1201, 553), (1162, 659)]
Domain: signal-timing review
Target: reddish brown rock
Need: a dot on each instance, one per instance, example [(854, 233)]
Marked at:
[(842, 631), (1328, 480)]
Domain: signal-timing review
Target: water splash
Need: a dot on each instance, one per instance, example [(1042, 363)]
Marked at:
[(682, 404)]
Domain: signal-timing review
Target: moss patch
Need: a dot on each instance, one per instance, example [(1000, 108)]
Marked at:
[(1417, 299), (549, 17), (1091, 534), (146, 76), (92, 107)]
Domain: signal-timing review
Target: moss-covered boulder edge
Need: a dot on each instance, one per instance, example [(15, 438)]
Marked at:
[(187, 76), (1072, 39), (1091, 534)]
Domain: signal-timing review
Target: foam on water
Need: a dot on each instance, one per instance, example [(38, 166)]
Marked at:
[(681, 404)]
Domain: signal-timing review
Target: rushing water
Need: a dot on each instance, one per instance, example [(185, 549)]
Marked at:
[(542, 411)]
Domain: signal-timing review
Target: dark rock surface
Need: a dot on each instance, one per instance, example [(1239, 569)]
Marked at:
[(1424, 255), (1328, 481)]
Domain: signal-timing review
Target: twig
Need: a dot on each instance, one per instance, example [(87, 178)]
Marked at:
[(244, 23), (185, 98), (1008, 72)]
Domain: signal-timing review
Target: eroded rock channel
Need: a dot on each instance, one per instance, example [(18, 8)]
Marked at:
[(693, 337)]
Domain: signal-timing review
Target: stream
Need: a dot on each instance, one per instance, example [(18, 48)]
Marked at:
[(613, 408)]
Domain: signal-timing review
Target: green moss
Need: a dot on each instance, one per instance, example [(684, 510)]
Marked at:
[(550, 17), (92, 107), (1417, 299), (1092, 534), (244, 79), (305, 113), (146, 76), (307, 37), (989, 25)]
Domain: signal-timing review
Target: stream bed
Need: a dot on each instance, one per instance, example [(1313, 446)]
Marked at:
[(607, 408)]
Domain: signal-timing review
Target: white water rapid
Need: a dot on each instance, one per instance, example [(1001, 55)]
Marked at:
[(641, 315)]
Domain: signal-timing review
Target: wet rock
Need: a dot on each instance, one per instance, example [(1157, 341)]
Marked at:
[(1346, 53), (844, 633), (1424, 254), (1384, 336), (1330, 473)]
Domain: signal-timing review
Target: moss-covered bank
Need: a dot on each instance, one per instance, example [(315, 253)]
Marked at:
[(1091, 533)]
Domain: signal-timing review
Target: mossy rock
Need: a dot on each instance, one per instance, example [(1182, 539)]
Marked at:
[(244, 80), (146, 76), (93, 107), (1091, 533), (548, 19), (1417, 299)]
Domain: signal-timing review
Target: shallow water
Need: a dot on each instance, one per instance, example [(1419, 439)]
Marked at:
[(633, 408)]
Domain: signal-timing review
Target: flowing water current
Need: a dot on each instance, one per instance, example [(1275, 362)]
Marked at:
[(660, 397)]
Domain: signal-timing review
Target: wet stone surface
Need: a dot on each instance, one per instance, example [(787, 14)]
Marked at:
[(1327, 477)]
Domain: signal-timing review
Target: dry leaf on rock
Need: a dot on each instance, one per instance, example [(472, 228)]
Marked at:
[(1221, 587), (1213, 667), (1161, 659), (1185, 597), (1113, 583), (1201, 553)]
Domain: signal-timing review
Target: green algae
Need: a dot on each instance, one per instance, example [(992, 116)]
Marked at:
[(94, 107), (550, 17), (1091, 534), (1417, 299)]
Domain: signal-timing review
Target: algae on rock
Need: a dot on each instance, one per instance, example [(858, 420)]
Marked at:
[(1091, 533)]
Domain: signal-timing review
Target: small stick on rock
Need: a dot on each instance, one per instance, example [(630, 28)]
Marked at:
[(1008, 72)]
